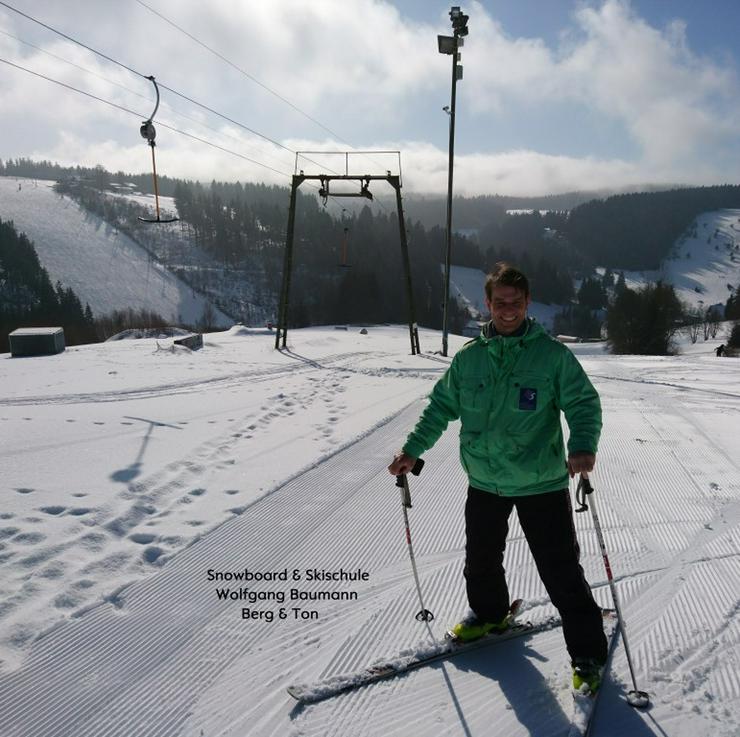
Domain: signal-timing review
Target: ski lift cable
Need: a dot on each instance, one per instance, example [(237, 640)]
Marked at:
[(140, 115), (250, 77), (163, 125), (172, 109), (238, 69), (146, 77), (72, 64)]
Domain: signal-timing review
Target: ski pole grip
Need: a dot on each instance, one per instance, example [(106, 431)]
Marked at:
[(582, 491), (403, 483), (416, 470)]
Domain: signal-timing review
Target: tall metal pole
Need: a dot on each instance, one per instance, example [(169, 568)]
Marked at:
[(413, 327), (282, 324), (448, 237)]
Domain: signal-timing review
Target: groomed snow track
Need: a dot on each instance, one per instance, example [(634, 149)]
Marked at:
[(165, 657)]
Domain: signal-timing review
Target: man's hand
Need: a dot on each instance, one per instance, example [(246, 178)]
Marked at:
[(580, 461), (402, 464)]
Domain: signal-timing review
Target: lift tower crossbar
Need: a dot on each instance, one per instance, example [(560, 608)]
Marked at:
[(324, 191)]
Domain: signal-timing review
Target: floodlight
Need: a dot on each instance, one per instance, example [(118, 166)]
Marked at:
[(446, 44)]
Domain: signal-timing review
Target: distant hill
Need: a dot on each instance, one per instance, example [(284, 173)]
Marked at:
[(472, 214), (704, 262), (703, 266), (104, 267)]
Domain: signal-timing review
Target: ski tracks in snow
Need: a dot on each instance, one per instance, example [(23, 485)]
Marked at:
[(670, 484), (165, 656)]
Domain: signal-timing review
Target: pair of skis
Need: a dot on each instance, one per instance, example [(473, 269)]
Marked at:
[(584, 704)]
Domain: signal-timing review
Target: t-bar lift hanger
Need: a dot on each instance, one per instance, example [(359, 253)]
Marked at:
[(148, 131)]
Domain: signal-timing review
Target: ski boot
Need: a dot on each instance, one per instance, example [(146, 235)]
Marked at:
[(587, 673), (471, 628)]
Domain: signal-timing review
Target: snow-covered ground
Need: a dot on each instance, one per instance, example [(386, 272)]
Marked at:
[(705, 267), (131, 471), (104, 267)]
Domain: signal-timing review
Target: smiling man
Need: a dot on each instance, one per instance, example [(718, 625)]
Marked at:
[(508, 387)]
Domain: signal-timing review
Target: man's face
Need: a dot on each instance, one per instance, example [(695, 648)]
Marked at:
[(508, 307)]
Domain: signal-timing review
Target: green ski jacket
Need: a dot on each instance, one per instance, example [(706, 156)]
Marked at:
[(508, 393)]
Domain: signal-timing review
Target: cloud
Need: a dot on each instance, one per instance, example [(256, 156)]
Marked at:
[(366, 71), (514, 172), (670, 101)]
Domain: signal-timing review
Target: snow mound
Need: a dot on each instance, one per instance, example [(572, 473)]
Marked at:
[(139, 333), (244, 330)]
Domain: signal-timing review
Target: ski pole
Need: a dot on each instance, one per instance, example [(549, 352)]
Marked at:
[(635, 697), (424, 615)]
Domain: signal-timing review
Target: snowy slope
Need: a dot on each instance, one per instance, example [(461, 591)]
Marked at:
[(701, 266), (130, 471), (105, 268)]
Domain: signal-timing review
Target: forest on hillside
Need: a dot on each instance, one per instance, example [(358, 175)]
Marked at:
[(29, 299), (348, 265)]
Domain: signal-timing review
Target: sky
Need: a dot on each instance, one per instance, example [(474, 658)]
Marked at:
[(556, 96)]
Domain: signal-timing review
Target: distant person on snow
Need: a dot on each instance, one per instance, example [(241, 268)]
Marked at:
[(720, 350), (508, 387)]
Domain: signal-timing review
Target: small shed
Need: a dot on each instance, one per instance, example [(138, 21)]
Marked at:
[(36, 341)]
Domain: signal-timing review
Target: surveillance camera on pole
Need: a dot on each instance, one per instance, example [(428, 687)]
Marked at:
[(450, 45)]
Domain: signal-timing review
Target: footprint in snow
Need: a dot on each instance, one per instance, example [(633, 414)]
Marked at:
[(29, 538), (197, 492), (153, 554), (25, 491), (54, 510), (67, 601), (142, 538), (111, 564), (7, 532), (55, 570), (93, 541)]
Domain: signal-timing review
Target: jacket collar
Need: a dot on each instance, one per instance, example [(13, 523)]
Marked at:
[(528, 329)]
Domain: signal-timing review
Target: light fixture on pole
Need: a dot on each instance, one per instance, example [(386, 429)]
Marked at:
[(450, 45)]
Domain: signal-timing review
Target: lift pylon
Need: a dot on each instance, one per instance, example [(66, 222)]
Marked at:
[(325, 181)]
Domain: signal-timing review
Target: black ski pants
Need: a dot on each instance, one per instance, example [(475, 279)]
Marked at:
[(547, 522)]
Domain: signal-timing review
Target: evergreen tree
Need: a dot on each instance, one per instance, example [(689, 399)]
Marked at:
[(644, 321), (592, 294), (734, 339), (732, 307)]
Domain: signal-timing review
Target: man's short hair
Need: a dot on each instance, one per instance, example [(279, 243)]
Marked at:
[(504, 274)]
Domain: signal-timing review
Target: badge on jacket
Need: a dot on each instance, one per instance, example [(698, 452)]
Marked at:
[(527, 398)]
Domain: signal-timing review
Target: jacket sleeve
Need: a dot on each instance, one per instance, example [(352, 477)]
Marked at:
[(580, 402), (443, 407)]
